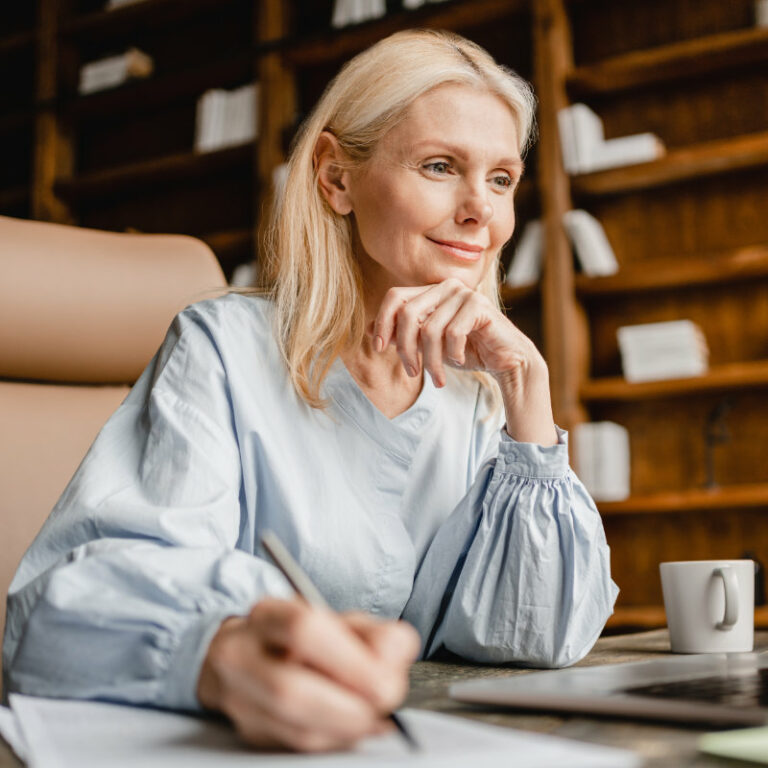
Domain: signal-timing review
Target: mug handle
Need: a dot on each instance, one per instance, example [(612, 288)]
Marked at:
[(731, 584)]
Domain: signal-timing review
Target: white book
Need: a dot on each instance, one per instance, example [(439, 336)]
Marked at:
[(525, 267), (588, 135), (603, 459), (590, 243), (347, 12), (761, 13), (585, 148), (226, 118), (114, 70), (627, 150), (209, 130), (112, 4), (567, 133), (412, 5), (656, 351)]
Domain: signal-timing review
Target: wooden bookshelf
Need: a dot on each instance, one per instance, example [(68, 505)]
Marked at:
[(725, 498), (333, 45), (112, 181), (712, 158), (630, 617), (690, 233), (734, 376), (736, 266), (669, 63)]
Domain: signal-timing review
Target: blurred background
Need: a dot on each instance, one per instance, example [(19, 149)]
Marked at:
[(640, 261)]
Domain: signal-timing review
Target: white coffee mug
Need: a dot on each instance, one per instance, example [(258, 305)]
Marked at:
[(710, 605)]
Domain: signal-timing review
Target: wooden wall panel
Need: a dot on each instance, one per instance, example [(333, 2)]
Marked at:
[(648, 540)]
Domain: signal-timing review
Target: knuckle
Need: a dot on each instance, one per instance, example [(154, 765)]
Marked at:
[(278, 690)]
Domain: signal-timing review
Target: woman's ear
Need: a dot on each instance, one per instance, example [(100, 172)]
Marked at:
[(332, 176)]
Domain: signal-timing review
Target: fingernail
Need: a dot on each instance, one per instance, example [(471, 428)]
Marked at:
[(454, 361), (378, 343), (410, 370)]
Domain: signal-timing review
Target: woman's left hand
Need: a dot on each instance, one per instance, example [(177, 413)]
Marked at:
[(450, 324)]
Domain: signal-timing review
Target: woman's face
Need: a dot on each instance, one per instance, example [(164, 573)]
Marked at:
[(436, 199)]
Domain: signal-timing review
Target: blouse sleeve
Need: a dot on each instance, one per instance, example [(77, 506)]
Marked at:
[(123, 589), (520, 571)]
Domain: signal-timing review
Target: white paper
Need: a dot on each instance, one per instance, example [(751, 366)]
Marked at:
[(10, 731), (75, 734)]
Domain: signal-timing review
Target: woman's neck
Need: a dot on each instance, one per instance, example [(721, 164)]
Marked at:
[(381, 376)]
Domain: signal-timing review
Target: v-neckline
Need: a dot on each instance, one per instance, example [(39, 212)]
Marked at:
[(401, 434)]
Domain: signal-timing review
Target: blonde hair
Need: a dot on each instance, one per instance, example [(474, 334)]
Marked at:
[(307, 263)]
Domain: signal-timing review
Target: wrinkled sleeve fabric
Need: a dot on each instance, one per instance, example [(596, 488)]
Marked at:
[(131, 576), (520, 571)]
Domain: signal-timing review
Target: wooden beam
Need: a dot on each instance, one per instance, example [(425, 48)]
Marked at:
[(54, 147), (277, 108), (565, 334)]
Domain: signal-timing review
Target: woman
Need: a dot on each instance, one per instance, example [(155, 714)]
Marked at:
[(443, 499)]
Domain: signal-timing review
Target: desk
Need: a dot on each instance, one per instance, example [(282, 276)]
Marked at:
[(663, 746)]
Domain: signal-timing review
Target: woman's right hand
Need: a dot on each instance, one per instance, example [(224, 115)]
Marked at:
[(290, 676)]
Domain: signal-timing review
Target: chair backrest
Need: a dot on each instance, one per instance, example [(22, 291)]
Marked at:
[(81, 314)]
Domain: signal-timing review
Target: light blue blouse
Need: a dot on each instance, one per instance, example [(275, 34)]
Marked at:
[(489, 547)]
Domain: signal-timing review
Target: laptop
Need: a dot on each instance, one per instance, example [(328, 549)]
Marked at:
[(724, 689)]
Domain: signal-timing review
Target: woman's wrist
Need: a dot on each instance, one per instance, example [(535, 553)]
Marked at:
[(527, 402)]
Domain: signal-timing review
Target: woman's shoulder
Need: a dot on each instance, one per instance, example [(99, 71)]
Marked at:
[(230, 310)]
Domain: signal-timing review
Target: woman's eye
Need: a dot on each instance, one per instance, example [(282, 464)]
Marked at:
[(503, 181), (439, 166)]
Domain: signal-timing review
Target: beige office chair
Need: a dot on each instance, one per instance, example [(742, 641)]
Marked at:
[(81, 314)]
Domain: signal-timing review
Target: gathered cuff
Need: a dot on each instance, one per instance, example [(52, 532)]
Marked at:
[(532, 460), (180, 688)]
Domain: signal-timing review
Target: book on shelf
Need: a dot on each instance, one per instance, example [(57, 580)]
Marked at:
[(602, 459), (761, 13), (525, 266), (590, 243), (412, 5), (585, 149), (226, 118), (675, 349), (347, 12), (112, 4), (113, 71)]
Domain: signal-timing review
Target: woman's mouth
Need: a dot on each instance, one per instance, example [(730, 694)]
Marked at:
[(461, 250)]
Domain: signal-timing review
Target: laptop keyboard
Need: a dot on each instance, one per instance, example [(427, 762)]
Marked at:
[(742, 690)]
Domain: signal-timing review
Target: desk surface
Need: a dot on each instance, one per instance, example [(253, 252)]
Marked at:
[(662, 746)]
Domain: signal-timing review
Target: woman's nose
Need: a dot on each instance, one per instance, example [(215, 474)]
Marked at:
[(474, 206)]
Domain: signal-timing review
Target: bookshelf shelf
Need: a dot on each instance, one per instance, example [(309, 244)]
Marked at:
[(13, 196), (736, 266), (653, 616), (733, 376), (333, 45), (711, 158), (159, 170), (690, 58), (126, 20), (164, 89), (17, 42), (514, 295), (230, 244), (747, 496)]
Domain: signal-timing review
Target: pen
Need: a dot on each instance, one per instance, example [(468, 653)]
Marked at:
[(309, 592)]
